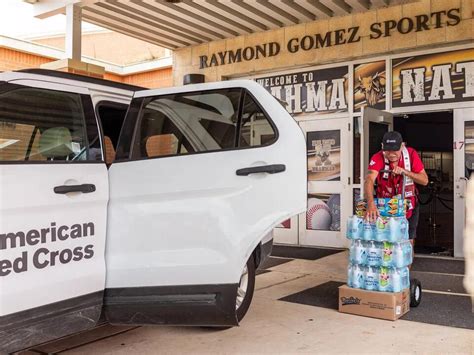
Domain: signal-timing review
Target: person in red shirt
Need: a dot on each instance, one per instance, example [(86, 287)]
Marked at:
[(399, 159)]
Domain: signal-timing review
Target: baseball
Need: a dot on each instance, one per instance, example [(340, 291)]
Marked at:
[(334, 205), (318, 215)]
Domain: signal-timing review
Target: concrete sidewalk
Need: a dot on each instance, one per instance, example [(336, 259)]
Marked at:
[(274, 326)]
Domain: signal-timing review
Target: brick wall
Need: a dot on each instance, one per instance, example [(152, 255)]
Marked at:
[(15, 60), (11, 59)]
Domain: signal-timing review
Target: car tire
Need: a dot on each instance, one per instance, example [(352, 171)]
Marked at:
[(245, 289)]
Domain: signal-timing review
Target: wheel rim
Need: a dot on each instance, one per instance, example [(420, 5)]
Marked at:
[(242, 289), (417, 293)]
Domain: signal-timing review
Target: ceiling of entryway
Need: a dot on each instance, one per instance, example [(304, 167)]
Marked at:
[(180, 23)]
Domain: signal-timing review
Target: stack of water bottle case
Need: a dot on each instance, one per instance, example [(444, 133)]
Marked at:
[(380, 251)]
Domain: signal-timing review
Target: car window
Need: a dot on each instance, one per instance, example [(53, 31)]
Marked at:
[(45, 125), (189, 122), (256, 128), (199, 122)]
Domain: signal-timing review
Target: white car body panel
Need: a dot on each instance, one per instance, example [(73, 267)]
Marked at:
[(27, 201), (159, 223), (190, 219)]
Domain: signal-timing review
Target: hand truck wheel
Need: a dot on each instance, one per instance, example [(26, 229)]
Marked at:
[(415, 292)]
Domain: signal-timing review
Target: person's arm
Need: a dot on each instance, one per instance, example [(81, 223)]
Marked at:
[(372, 212), (418, 173), (420, 178)]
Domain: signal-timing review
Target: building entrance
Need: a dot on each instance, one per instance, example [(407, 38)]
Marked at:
[(431, 134)]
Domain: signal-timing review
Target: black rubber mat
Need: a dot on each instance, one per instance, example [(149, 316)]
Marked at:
[(445, 266), (448, 310), (440, 282), (302, 252), (432, 250)]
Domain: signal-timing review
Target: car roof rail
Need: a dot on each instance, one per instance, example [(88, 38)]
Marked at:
[(83, 78)]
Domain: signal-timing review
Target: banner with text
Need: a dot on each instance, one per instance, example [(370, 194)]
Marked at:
[(315, 91), (433, 78)]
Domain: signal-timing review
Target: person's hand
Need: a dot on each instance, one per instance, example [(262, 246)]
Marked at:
[(397, 170), (372, 213)]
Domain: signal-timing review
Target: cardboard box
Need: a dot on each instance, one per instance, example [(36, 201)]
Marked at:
[(383, 305)]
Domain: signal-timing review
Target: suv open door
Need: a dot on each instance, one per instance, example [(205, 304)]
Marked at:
[(203, 174), (53, 204)]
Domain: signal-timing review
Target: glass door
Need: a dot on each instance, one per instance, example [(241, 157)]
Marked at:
[(328, 171), (286, 232), (463, 151), (375, 123)]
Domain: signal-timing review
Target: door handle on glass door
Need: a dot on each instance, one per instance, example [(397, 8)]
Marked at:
[(84, 188), (270, 169), (462, 185)]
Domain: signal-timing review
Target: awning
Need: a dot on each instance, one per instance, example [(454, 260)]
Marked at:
[(180, 23)]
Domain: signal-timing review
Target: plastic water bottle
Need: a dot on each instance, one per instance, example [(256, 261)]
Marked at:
[(388, 253), (396, 281), (385, 279), (405, 276), (371, 278), (374, 254), (358, 254), (402, 254), (398, 229), (350, 275), (399, 258), (400, 279), (358, 276), (403, 233), (394, 229), (408, 252), (369, 230), (358, 227), (354, 227), (349, 232), (382, 229)]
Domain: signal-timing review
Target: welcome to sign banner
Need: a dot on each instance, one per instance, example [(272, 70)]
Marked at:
[(314, 91), (433, 78)]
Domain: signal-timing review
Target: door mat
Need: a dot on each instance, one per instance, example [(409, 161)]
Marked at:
[(438, 265), (302, 252), (440, 282), (448, 310)]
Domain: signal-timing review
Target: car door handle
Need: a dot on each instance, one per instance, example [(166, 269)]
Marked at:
[(84, 188), (270, 169)]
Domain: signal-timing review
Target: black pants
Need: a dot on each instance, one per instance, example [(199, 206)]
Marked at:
[(413, 221)]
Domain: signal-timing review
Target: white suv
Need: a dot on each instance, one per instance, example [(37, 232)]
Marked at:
[(159, 216)]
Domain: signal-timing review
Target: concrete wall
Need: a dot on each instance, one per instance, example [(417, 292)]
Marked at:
[(186, 60)]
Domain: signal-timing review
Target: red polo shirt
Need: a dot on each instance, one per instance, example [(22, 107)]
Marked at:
[(393, 185)]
